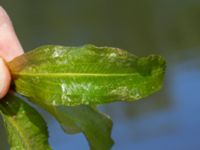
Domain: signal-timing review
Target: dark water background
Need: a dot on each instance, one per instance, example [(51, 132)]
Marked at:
[(168, 120)]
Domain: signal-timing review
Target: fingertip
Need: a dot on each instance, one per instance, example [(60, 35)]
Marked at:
[(5, 79)]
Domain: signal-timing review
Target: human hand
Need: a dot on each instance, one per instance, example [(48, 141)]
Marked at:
[(9, 48)]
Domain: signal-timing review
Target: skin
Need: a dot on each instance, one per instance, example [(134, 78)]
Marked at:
[(10, 47)]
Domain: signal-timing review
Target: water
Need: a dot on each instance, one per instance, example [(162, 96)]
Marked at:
[(166, 120)]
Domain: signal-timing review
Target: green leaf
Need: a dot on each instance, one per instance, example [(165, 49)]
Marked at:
[(25, 127), (95, 125), (70, 76)]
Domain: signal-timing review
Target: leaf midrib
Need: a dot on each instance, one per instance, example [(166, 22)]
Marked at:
[(20, 132), (74, 74)]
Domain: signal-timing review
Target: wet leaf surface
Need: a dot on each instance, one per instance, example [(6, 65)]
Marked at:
[(88, 74)]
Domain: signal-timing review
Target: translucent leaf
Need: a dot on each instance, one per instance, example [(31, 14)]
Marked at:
[(25, 127), (94, 125), (70, 76)]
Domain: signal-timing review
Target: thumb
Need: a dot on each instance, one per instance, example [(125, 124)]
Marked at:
[(9, 48), (4, 78)]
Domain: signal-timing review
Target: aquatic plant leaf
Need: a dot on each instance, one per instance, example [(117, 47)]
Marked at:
[(70, 76), (25, 127), (95, 125)]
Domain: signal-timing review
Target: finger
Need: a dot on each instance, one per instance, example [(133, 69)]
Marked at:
[(5, 79), (9, 44)]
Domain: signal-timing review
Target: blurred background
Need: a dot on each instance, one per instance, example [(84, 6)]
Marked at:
[(171, 28)]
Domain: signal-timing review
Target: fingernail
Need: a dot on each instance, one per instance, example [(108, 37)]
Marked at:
[(1, 77), (4, 79)]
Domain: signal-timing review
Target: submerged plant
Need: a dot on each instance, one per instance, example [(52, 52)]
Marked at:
[(69, 82)]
